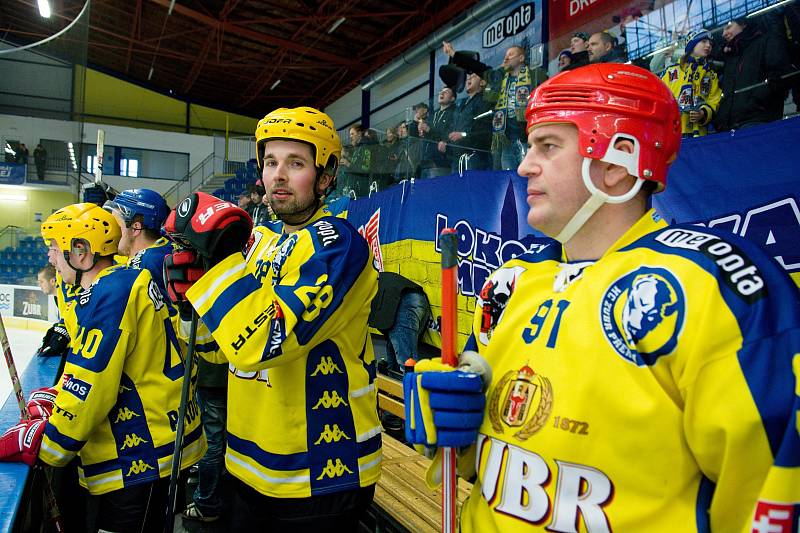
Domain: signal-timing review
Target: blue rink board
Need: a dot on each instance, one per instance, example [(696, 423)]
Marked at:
[(41, 372)]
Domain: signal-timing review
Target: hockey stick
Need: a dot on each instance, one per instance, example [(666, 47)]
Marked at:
[(448, 240), (172, 494), (52, 506), (98, 170)]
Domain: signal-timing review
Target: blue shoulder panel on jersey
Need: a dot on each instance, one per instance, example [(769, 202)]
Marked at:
[(341, 253), (765, 302)]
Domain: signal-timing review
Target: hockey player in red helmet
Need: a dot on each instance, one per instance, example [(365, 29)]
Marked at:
[(640, 376)]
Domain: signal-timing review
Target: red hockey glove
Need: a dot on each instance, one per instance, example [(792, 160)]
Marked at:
[(21, 442), (41, 402), (181, 269), (213, 227)]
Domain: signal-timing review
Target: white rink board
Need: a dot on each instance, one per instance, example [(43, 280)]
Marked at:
[(24, 343)]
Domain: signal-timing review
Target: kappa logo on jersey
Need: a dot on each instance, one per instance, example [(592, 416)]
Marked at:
[(139, 467), (773, 517), (326, 232), (124, 414), (333, 470), (132, 440), (514, 482), (331, 434), (522, 399), (642, 314), (738, 272), (280, 258), (78, 388), (494, 297), (329, 399), (326, 367)]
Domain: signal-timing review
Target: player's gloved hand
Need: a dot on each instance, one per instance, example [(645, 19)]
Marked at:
[(213, 227), (41, 402), (55, 342), (99, 194), (444, 406), (21, 442), (181, 269)]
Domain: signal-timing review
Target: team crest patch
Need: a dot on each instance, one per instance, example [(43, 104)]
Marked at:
[(642, 314), (494, 297), (521, 399)]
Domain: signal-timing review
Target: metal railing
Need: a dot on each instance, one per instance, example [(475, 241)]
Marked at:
[(202, 172)]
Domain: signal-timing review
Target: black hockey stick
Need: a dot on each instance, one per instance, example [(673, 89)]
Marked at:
[(172, 494)]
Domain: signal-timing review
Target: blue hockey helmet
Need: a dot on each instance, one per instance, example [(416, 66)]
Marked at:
[(145, 202)]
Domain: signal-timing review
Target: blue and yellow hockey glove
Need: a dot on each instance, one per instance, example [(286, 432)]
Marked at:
[(444, 406)]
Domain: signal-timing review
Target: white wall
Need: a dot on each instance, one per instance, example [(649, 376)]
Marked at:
[(346, 109), (29, 130)]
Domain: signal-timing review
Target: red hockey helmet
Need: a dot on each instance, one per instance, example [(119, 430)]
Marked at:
[(607, 100)]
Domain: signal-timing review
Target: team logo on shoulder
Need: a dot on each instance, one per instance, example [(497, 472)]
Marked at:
[(155, 295), (280, 258), (494, 297), (521, 399), (642, 314)]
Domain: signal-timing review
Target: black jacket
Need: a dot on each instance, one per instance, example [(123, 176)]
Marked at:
[(479, 132), (579, 59), (751, 58)]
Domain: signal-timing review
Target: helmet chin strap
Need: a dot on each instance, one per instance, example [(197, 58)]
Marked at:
[(629, 160), (79, 271)]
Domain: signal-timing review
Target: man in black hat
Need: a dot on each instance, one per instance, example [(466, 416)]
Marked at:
[(472, 132), (579, 48)]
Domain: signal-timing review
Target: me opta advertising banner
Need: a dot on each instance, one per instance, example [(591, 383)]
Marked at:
[(747, 183), (518, 23)]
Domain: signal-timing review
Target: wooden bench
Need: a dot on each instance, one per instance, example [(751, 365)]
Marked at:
[(401, 491)]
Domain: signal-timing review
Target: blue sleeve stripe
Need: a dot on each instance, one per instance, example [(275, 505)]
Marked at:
[(68, 443), (705, 492), (208, 347), (371, 445), (273, 461), (230, 297)]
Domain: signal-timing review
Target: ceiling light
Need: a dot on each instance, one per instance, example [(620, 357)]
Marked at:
[(336, 24), (277, 82), (44, 8), (13, 197)]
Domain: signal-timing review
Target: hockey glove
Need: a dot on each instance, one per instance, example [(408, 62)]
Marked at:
[(181, 269), (21, 442), (99, 194), (444, 406), (41, 402), (55, 341), (213, 227)]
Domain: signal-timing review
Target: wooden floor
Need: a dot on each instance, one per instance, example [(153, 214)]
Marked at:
[(402, 491)]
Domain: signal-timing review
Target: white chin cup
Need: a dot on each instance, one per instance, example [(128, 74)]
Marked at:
[(597, 198)]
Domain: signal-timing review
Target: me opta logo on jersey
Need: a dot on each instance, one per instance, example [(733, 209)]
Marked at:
[(494, 297), (522, 399), (642, 314)]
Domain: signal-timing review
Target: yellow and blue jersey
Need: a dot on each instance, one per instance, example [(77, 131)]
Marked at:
[(118, 401), (152, 259), (651, 390), (291, 319)]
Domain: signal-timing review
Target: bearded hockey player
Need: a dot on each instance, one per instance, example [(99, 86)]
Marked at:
[(290, 316), (642, 376), (117, 405)]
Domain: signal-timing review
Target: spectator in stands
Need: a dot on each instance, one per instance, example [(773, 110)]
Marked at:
[(669, 51), (407, 154), (695, 85), (386, 160), (509, 142), (564, 59), (752, 88), (436, 156), (602, 48), (243, 201), (258, 212), (22, 154), (46, 279), (40, 158), (357, 165), (578, 46), (472, 136)]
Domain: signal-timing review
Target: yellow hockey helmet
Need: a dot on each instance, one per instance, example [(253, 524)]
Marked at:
[(302, 124), (86, 221)]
